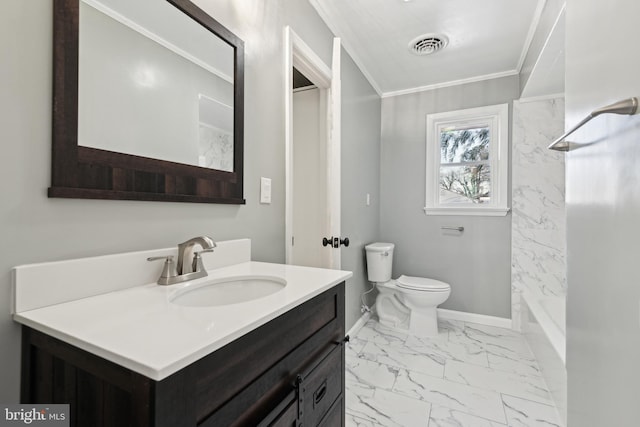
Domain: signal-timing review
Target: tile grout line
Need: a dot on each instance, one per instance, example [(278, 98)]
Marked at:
[(504, 409), (528, 400)]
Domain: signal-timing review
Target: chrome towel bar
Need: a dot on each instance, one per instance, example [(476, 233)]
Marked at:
[(626, 106)]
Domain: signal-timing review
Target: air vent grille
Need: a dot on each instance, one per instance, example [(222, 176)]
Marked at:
[(428, 44)]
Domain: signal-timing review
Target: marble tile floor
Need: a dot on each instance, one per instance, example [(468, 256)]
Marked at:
[(470, 375)]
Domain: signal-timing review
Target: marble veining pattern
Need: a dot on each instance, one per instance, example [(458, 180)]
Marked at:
[(538, 203), (538, 264), (469, 375)]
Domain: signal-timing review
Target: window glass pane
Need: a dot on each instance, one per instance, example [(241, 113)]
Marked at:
[(464, 145), (465, 184)]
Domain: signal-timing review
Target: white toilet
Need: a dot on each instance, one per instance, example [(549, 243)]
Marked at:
[(407, 302)]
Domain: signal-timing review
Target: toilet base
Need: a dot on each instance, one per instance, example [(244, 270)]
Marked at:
[(410, 310), (391, 312), (424, 323)]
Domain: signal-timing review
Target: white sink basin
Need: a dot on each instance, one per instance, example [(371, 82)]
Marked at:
[(229, 290)]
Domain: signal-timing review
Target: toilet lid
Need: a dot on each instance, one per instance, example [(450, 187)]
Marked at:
[(421, 284)]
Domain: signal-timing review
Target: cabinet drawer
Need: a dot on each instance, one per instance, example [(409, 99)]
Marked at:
[(321, 387)]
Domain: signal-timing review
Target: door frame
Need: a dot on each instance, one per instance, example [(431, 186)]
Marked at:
[(300, 55)]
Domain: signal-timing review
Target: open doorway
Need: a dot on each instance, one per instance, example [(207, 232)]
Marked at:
[(312, 141), (309, 173)]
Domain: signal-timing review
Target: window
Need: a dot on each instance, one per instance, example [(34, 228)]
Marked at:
[(467, 161)]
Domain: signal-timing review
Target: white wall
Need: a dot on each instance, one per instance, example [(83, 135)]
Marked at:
[(477, 262), (603, 212), (34, 228)]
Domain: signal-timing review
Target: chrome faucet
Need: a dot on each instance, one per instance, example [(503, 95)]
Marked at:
[(173, 273)]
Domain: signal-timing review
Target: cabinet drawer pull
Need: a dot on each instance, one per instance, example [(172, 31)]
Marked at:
[(319, 394)]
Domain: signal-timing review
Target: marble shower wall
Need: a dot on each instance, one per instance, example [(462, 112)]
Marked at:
[(538, 205)]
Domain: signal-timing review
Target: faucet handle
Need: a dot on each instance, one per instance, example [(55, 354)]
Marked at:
[(168, 269), (165, 257), (196, 264), (202, 251)]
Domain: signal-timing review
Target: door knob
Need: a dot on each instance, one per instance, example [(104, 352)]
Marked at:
[(335, 242)]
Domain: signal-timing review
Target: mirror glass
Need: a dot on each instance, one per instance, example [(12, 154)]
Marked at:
[(154, 83)]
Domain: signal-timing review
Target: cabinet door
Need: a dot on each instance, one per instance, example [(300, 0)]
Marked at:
[(334, 417), (321, 387)]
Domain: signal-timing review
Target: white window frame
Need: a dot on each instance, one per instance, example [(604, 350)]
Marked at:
[(497, 118)]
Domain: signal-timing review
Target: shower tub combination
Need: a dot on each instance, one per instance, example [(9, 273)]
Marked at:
[(544, 327), (538, 248)]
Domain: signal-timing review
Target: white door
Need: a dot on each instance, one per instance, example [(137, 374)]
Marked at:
[(312, 184)]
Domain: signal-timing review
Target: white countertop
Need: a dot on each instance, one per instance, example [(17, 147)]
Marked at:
[(140, 329)]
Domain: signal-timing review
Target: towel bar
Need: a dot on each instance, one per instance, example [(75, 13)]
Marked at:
[(626, 106)]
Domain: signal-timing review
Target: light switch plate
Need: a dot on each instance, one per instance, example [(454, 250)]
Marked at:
[(265, 190)]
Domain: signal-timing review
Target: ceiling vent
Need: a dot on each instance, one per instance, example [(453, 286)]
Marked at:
[(428, 44)]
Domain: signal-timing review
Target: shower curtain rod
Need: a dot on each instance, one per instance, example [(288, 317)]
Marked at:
[(626, 106)]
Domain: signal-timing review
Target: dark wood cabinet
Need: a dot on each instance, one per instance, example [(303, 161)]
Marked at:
[(288, 372)]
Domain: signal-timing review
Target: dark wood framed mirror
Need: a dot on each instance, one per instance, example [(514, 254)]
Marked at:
[(195, 141)]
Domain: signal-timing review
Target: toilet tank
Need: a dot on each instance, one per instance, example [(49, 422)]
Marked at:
[(379, 261)]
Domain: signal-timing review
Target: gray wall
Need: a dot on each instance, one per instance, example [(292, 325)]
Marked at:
[(35, 228), (360, 175), (477, 262), (603, 208)]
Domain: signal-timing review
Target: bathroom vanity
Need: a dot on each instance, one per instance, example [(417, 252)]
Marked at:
[(287, 371), (133, 357)]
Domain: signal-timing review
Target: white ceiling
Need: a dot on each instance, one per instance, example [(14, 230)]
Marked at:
[(487, 39)]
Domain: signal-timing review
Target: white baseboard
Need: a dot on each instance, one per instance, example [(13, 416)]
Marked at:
[(482, 319), (359, 324), (443, 313)]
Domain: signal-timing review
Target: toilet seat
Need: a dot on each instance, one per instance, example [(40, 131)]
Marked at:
[(422, 284)]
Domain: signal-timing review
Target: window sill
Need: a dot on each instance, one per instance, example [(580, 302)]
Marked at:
[(472, 211)]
